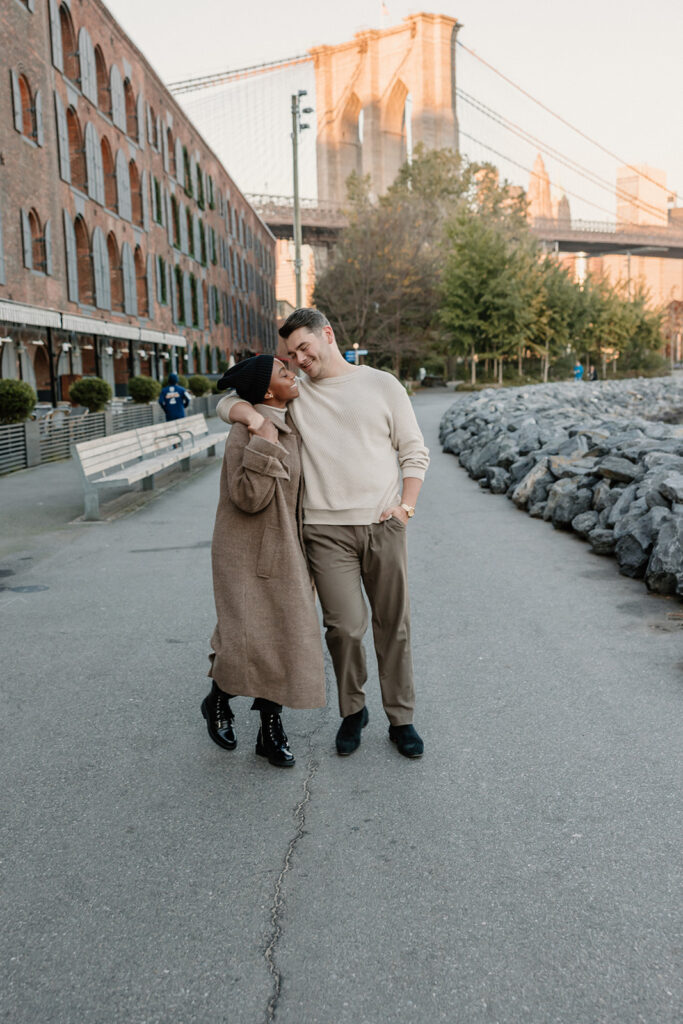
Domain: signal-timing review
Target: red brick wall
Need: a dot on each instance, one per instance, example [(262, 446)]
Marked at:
[(30, 178)]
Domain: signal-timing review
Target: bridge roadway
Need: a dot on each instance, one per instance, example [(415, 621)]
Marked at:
[(524, 872), (322, 222)]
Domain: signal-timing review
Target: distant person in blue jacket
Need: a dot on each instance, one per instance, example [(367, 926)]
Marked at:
[(578, 371), (174, 399)]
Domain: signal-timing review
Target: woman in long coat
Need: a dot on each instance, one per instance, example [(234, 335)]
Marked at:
[(266, 643)]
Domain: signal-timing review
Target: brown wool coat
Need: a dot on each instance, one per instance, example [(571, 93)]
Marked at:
[(267, 639)]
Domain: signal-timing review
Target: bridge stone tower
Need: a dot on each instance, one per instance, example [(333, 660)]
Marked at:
[(376, 93)]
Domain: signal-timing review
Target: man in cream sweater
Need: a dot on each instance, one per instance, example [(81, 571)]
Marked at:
[(363, 460)]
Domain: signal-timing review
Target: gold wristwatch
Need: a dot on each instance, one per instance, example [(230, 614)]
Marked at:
[(409, 510)]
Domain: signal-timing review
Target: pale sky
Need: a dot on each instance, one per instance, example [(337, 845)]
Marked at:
[(614, 69)]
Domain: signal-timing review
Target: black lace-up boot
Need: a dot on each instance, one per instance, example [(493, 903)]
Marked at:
[(219, 718), (271, 741)]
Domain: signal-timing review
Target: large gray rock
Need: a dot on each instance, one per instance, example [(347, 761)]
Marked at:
[(566, 499), (672, 487), (664, 572), (523, 490), (497, 479), (622, 504), (601, 496), (601, 541), (635, 537), (615, 468), (584, 523)]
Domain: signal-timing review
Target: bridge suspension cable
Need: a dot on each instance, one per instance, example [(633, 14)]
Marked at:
[(186, 85), (567, 161), (568, 124), (528, 170)]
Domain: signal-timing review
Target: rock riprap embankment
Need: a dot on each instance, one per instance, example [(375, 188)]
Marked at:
[(604, 459)]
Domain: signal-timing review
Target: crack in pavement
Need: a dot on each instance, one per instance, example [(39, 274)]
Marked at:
[(278, 904)]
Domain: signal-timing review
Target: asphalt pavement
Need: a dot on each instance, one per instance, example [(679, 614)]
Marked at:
[(525, 871)]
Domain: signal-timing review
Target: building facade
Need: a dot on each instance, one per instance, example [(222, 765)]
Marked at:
[(125, 247)]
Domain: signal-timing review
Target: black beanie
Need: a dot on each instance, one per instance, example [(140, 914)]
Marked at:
[(250, 378)]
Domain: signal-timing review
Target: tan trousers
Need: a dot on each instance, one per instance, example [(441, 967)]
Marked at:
[(340, 558)]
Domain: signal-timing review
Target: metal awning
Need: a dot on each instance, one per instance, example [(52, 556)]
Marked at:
[(103, 328), (31, 316)]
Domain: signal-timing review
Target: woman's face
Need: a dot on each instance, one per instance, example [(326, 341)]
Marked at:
[(283, 385)]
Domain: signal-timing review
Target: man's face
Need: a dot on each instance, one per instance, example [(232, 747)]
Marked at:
[(310, 351)]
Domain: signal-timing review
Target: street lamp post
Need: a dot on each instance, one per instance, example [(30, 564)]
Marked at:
[(297, 127)]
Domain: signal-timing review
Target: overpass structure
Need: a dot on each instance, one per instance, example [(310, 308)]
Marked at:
[(322, 220)]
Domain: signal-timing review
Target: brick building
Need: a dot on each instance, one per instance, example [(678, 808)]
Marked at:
[(125, 246)]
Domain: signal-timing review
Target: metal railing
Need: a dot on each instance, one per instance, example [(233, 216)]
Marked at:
[(56, 438), (12, 447)]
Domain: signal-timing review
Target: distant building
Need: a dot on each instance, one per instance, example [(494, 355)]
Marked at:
[(125, 246)]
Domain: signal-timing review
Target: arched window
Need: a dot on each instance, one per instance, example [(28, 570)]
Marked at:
[(170, 149), (180, 296), (109, 175), (37, 241), (103, 90), (27, 111), (176, 222), (131, 113), (135, 193), (116, 273), (190, 232), (86, 282), (141, 283), (187, 171), (79, 177), (69, 48)]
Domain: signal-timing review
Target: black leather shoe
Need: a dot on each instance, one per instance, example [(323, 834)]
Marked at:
[(407, 739), (348, 736), (219, 718), (272, 743)]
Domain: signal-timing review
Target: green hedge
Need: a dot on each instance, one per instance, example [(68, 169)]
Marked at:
[(92, 392), (17, 401), (143, 389), (199, 384)]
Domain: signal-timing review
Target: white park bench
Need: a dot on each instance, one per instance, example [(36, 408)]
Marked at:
[(132, 455)]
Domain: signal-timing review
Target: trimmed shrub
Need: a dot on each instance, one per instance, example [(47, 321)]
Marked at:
[(17, 399), (143, 389), (199, 384), (182, 380), (92, 392)]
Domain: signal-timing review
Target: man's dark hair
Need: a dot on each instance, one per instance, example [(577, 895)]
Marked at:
[(305, 317)]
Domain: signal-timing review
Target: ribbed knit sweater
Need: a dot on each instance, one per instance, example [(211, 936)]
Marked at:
[(359, 439)]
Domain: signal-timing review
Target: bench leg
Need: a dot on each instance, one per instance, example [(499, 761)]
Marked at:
[(185, 465), (212, 449), (148, 483), (91, 509)]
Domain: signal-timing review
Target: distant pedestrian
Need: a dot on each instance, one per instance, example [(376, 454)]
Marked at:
[(174, 399), (578, 371), (592, 373)]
